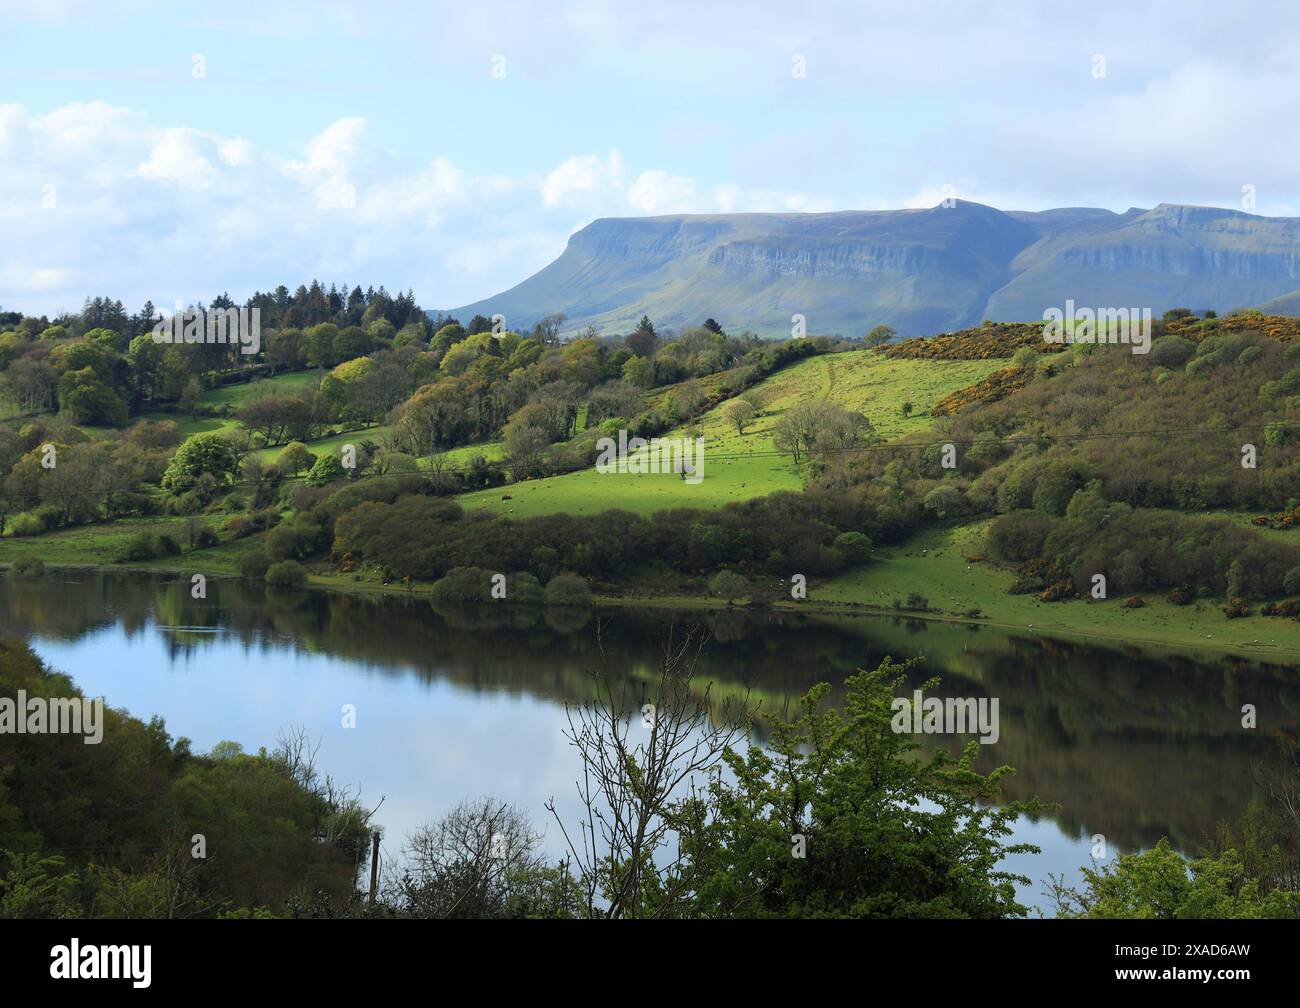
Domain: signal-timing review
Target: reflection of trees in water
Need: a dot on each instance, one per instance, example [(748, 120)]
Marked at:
[(1132, 744)]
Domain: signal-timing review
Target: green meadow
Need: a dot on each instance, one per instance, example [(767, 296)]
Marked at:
[(739, 466)]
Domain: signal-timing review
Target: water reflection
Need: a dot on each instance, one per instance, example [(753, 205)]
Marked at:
[(1132, 743)]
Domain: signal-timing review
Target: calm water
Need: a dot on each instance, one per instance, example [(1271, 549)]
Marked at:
[(1130, 743)]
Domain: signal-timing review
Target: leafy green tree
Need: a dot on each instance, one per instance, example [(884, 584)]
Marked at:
[(84, 398), (880, 335), (839, 816), (296, 457), (201, 455)]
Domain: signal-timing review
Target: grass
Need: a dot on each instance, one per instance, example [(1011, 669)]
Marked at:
[(933, 564), (96, 545), (860, 380), (240, 395)]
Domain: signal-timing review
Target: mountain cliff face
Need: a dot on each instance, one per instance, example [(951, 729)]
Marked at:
[(921, 271)]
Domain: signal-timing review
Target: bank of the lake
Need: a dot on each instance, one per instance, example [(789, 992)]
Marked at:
[(935, 564)]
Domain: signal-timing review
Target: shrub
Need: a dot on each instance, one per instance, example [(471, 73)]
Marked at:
[(253, 564), (146, 546), (464, 584), (525, 588), (286, 574), (728, 585), (1236, 608), (205, 538), (282, 542), (29, 566), (855, 547), (1182, 595), (141, 546), (1134, 603), (29, 523), (1172, 351), (326, 470), (568, 589)]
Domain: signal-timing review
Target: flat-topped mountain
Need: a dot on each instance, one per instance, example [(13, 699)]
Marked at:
[(921, 271)]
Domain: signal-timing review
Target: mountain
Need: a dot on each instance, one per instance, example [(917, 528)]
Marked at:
[(921, 271)]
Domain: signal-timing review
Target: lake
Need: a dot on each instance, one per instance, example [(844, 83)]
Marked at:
[(1129, 742)]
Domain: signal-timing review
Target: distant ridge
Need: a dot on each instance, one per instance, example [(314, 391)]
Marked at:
[(921, 271)]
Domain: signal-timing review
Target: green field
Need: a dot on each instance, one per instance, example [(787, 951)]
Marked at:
[(933, 564), (860, 380), (95, 545)]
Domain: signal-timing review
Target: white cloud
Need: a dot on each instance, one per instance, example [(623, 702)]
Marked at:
[(580, 178), (141, 211)]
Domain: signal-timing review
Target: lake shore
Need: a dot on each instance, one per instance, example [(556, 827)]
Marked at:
[(1158, 624)]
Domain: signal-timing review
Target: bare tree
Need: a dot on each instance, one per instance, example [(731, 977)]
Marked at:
[(644, 750), (478, 861)]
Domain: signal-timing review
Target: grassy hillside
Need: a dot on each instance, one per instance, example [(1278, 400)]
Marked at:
[(734, 469)]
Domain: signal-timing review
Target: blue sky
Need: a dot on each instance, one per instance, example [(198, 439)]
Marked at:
[(373, 143)]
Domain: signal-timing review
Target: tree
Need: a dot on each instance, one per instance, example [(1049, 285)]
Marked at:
[(849, 791), (84, 398), (638, 371), (880, 335), (191, 395), (480, 862), (296, 457), (1025, 359), (525, 449), (739, 414), (640, 745), (642, 342), (201, 455), (547, 329), (819, 425)]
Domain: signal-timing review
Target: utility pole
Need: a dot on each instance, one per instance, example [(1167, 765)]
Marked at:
[(374, 865)]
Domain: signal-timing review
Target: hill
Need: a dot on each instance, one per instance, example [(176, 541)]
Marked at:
[(921, 271)]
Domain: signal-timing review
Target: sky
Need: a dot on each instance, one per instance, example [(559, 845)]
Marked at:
[(169, 151)]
